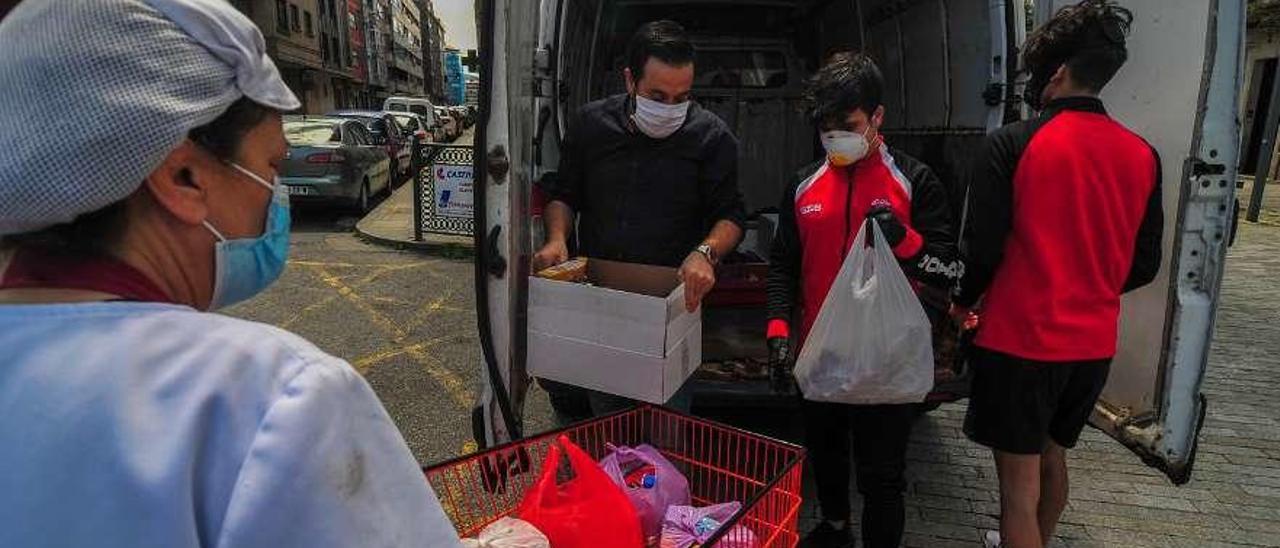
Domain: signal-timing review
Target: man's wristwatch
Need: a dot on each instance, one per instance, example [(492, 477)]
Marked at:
[(707, 251)]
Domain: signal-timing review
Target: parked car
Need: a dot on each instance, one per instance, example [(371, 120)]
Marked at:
[(451, 126), (387, 133), (333, 160), (463, 115), (416, 127), (420, 106)]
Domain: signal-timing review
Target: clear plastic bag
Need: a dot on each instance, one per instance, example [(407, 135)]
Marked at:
[(871, 342), (660, 485), (508, 533)]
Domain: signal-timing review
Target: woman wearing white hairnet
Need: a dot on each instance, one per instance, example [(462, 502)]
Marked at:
[(139, 143)]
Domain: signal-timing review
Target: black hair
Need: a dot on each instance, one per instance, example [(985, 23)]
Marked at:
[(98, 232), (1089, 38), (223, 135), (847, 82), (663, 40)]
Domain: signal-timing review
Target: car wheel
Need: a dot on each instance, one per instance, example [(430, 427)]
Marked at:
[(363, 201)]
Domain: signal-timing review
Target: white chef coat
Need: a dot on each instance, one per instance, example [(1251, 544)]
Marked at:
[(154, 425)]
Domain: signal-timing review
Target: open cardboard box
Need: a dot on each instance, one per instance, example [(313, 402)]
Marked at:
[(628, 334)]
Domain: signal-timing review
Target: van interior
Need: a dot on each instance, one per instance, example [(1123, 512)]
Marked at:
[(752, 61)]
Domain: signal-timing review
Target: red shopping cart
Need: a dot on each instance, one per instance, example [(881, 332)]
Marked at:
[(722, 464)]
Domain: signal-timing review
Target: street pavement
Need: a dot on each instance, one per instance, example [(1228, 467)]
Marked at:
[(406, 320)]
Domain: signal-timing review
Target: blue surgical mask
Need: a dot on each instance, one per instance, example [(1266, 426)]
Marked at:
[(245, 266)]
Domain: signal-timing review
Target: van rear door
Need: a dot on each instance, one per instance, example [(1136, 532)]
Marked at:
[(504, 163), (1179, 90)]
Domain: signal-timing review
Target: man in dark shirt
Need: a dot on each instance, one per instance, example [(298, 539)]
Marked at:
[(1065, 216), (652, 176)]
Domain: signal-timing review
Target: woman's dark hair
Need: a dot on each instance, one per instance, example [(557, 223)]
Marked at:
[(663, 40), (1089, 38), (847, 82), (96, 232)]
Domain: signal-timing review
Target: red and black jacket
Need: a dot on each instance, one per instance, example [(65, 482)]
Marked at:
[(820, 216), (1064, 216)]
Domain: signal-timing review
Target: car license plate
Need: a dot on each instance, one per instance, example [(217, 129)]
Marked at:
[(297, 190)]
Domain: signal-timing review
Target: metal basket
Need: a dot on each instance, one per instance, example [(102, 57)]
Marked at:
[(722, 464)]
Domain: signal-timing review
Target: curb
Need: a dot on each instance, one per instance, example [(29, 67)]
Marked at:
[(443, 249)]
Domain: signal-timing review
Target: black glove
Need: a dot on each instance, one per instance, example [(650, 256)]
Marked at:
[(780, 364), (893, 229)]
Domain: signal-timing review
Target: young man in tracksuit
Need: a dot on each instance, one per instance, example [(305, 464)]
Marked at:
[(1064, 216), (820, 215)]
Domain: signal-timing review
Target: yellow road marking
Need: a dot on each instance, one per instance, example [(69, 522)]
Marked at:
[(387, 266), (379, 270), (364, 363), (450, 381), (469, 447)]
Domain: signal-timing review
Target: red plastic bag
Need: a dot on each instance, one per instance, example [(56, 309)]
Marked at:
[(588, 511)]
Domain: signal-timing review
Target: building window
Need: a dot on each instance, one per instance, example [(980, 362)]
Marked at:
[(282, 16), (306, 18), (324, 47), (293, 19)]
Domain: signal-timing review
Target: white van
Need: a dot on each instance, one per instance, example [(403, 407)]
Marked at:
[(416, 105), (948, 66)]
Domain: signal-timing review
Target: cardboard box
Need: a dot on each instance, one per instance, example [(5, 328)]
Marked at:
[(628, 334)]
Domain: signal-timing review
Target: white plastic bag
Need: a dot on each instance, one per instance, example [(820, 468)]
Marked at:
[(508, 533), (871, 342)]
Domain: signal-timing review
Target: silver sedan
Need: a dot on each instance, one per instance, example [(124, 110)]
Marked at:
[(333, 160)]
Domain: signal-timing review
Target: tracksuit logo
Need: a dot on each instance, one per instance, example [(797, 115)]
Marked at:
[(811, 209), (931, 265)]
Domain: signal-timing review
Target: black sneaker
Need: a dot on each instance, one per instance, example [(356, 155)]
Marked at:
[(827, 536)]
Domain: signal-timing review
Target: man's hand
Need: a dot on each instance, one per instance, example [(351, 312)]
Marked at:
[(551, 254), (964, 317), (892, 228), (780, 364), (698, 276)]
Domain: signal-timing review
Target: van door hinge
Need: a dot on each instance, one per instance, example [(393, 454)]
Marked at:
[(497, 164), (494, 262), (542, 72), (1200, 168)]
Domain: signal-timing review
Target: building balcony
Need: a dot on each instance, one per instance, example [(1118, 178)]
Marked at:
[(408, 67)]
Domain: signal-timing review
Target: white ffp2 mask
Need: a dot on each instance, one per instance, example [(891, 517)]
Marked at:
[(658, 120), (844, 147)]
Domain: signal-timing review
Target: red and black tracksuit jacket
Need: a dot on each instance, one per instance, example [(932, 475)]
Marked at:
[(1064, 216), (820, 216)]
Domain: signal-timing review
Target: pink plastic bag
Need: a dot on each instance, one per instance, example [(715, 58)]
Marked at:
[(650, 481), (686, 526)]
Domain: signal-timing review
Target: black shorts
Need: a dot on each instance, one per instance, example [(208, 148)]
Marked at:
[(1018, 405)]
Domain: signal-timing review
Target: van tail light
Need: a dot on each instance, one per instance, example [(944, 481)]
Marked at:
[(326, 158), (421, 134)]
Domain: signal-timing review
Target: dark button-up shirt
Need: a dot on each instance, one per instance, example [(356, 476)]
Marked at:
[(644, 200)]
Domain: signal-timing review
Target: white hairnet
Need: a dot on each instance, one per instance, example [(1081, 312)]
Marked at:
[(97, 92)]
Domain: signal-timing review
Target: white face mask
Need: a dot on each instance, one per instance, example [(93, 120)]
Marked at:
[(658, 120), (845, 147)]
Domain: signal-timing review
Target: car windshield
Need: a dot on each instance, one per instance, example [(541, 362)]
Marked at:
[(418, 109), (310, 133)]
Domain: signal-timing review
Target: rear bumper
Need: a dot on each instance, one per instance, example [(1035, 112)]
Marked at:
[(331, 188)]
